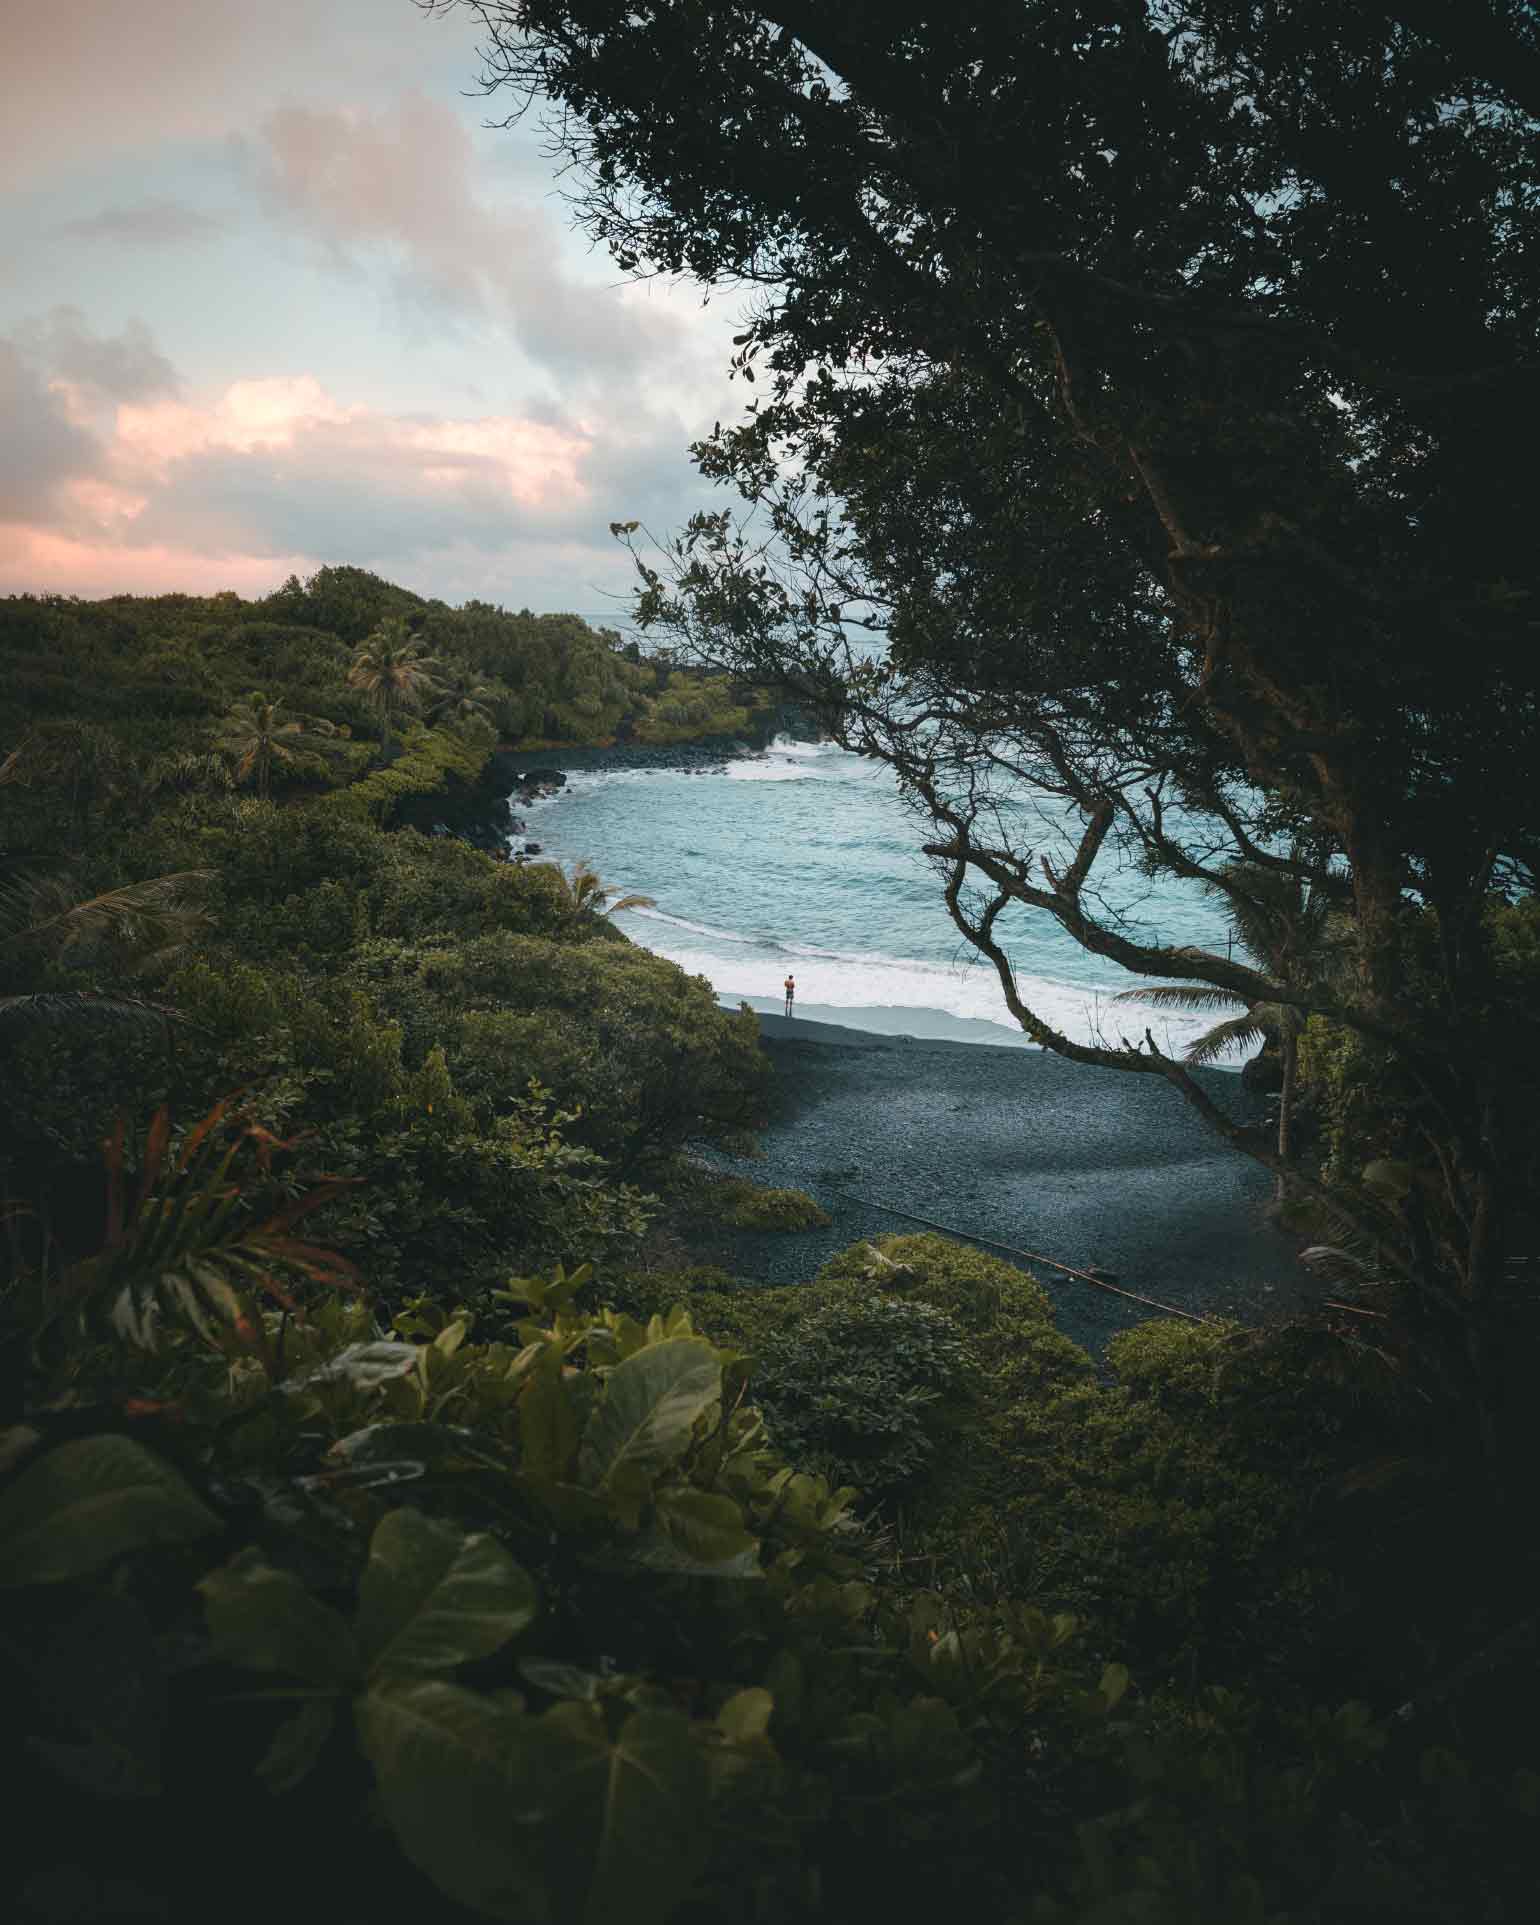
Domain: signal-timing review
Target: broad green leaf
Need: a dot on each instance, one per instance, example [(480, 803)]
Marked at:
[(625, 1821), (707, 1526), (1389, 1177), (432, 1598), (649, 1409), (1114, 1682), (266, 1619), (363, 1365), (441, 1763), (450, 1338), (746, 1715), (86, 1503), (297, 1744), (548, 1426), (560, 1679), (437, 1447)]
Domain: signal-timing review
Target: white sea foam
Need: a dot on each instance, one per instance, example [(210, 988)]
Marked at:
[(844, 981), (699, 849), (789, 761)]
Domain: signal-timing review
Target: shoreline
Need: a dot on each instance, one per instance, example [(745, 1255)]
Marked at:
[(1012, 1145), (863, 1025), (907, 999)]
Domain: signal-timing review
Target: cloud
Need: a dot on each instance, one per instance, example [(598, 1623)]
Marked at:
[(100, 368), (43, 449), (147, 223), (86, 78), (398, 186), (276, 474)]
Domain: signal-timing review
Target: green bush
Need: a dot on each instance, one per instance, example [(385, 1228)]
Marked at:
[(1172, 1361), (863, 1391), (742, 1205)]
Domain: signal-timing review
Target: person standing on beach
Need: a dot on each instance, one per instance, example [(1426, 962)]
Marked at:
[(791, 993)]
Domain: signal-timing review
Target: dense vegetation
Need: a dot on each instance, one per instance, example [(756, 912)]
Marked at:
[(384, 1529), (468, 1039)]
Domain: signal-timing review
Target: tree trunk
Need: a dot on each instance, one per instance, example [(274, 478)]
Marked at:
[(1288, 1047)]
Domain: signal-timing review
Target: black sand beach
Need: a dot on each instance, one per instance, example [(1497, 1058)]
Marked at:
[(1091, 1167)]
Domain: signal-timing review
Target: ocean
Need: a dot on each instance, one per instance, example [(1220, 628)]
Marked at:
[(803, 859)]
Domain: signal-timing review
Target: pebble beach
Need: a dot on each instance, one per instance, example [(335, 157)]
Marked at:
[(1014, 1146)]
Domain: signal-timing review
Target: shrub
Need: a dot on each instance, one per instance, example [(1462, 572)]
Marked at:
[(1172, 1361), (859, 1391), (742, 1205), (981, 1291)]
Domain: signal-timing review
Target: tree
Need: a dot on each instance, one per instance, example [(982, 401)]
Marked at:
[(1149, 378), (140, 926), (395, 669), (258, 732), (586, 895), (83, 760), (1285, 932), (463, 698)]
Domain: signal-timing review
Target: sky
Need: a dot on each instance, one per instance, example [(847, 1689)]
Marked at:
[(273, 294)]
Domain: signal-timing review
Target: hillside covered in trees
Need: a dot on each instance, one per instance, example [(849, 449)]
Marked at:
[(368, 1453)]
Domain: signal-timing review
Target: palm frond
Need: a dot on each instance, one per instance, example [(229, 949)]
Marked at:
[(146, 916), (1241, 1032), (1182, 996), (1343, 1268), (69, 1006), (184, 1246)]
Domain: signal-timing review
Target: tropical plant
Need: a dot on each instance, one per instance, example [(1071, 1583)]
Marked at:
[(258, 732), (394, 669), (1284, 929), (193, 1240), (82, 759), (586, 895), (463, 698), (140, 925)]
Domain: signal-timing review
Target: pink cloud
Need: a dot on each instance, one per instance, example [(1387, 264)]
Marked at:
[(276, 474), (35, 561), (86, 78)]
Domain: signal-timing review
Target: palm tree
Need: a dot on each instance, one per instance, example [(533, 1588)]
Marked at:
[(81, 757), (462, 699), (394, 669), (588, 896), (1283, 929), (141, 925), (256, 733)]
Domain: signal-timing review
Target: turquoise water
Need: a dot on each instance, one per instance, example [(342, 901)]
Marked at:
[(804, 859)]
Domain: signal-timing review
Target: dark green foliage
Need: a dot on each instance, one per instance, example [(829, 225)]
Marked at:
[(469, 1036), (115, 702), (860, 1391), (743, 1205)]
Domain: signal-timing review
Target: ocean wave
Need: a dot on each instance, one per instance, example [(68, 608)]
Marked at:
[(788, 761), (694, 928), (838, 980)]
